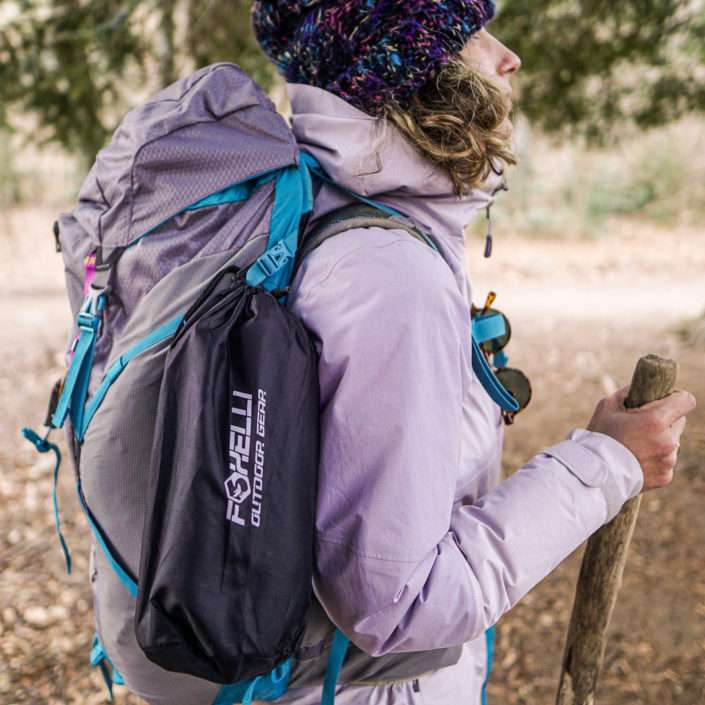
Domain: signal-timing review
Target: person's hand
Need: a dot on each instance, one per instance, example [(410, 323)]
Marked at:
[(652, 432)]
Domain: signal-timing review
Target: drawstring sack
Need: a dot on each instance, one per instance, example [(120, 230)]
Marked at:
[(227, 549)]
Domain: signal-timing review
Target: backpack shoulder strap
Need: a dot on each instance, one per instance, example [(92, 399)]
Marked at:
[(363, 215), (358, 215)]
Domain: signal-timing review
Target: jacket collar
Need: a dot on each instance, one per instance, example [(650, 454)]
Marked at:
[(368, 157)]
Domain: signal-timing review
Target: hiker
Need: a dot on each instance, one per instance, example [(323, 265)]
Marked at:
[(419, 549)]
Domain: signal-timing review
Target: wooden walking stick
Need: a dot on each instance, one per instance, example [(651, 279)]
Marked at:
[(603, 562)]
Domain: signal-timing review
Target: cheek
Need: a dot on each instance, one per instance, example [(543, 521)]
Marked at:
[(477, 57), (469, 53)]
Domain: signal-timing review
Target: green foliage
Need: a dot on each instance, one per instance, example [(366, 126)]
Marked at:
[(70, 68), (59, 63), (219, 30), (590, 67)]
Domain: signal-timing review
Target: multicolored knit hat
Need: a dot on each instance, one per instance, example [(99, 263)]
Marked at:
[(368, 52)]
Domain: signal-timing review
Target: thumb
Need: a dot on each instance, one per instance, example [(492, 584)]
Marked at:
[(673, 407)]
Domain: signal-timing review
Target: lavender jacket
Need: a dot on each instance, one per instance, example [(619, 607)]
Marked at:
[(417, 544)]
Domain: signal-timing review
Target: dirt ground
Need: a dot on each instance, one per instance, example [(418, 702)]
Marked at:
[(582, 313)]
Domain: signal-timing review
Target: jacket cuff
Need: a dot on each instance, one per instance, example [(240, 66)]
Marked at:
[(600, 461)]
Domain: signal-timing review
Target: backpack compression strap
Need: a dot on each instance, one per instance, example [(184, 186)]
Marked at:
[(364, 215)]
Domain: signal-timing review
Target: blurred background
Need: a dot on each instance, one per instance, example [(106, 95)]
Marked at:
[(599, 257)]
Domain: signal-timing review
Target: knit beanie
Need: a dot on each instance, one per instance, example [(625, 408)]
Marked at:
[(368, 52)]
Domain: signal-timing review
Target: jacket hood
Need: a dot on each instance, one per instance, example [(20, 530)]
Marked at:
[(364, 155)]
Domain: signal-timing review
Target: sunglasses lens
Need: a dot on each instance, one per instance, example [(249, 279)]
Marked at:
[(516, 383), (494, 345)]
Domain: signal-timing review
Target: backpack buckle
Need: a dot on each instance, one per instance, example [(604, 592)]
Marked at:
[(272, 260), (92, 308)]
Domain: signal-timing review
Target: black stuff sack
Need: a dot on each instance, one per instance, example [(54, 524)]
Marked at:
[(226, 561)]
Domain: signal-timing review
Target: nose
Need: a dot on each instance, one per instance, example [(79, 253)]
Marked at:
[(508, 62)]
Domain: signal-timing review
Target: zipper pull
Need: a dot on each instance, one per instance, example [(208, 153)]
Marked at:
[(488, 239), (504, 186)]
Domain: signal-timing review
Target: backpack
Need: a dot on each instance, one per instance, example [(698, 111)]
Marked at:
[(183, 357)]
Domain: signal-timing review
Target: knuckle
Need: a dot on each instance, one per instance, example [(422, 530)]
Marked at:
[(673, 441), (664, 447), (667, 471), (687, 400), (602, 406), (655, 425), (660, 478)]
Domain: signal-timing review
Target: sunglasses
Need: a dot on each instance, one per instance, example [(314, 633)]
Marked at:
[(514, 381)]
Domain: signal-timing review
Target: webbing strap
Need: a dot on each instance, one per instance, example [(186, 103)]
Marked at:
[(360, 215), (126, 580), (488, 327), (315, 168), (247, 698), (157, 336), (500, 359), (490, 383), (269, 687), (105, 672), (335, 663), (489, 637), (43, 446), (292, 199), (73, 394), (98, 658)]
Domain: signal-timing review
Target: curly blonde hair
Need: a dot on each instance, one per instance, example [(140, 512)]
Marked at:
[(456, 121)]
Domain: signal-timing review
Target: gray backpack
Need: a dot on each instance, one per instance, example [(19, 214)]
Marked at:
[(185, 225)]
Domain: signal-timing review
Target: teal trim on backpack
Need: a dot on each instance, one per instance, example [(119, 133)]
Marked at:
[(269, 687), (73, 394), (489, 636), (98, 658), (490, 383), (273, 268), (488, 327), (85, 353), (305, 165), (125, 579), (335, 663), (235, 193), (500, 359), (232, 194), (75, 389), (163, 332), (274, 684), (157, 336), (43, 446)]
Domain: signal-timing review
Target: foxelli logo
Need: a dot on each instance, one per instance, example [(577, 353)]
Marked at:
[(239, 486)]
